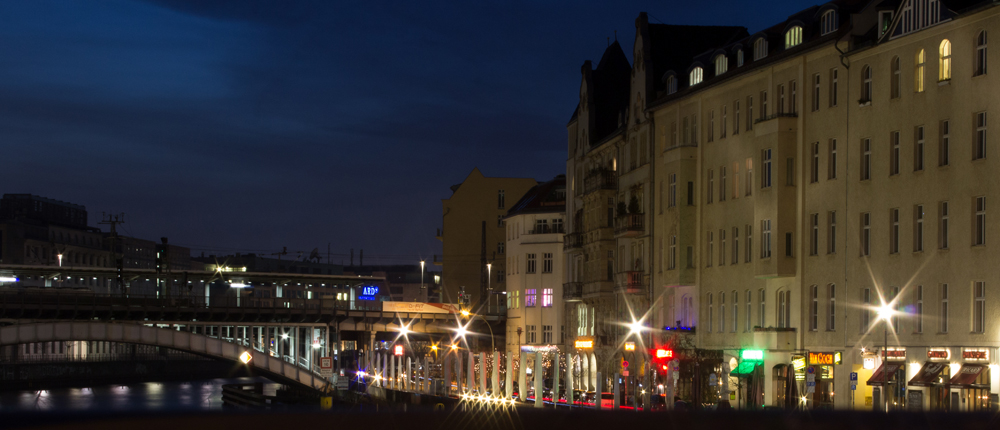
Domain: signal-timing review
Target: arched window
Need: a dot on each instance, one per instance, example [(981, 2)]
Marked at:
[(696, 76), (671, 84), (739, 58), (981, 53), (895, 78), (793, 37), (782, 304), (828, 23), (944, 64), (918, 71), (759, 48), (721, 64), (866, 84)]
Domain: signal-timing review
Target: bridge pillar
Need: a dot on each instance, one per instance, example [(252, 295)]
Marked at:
[(426, 384), (569, 380), (385, 370), (392, 372), (482, 373), (555, 380), (471, 376), (447, 373), (509, 375), (458, 372), (537, 378), (495, 375), (522, 376)]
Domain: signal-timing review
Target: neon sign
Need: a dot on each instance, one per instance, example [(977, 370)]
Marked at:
[(368, 292)]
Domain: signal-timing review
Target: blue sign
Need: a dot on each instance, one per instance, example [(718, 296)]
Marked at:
[(854, 376), (368, 292)]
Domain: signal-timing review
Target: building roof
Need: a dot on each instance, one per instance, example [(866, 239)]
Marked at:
[(666, 54), (547, 197), (610, 82)]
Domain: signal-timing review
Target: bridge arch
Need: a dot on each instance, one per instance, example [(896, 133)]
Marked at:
[(263, 363)]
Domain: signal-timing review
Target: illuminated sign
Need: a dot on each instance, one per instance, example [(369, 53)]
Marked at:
[(584, 344), (539, 348), (664, 353), (752, 354), (869, 363), (397, 350), (899, 354), (245, 357), (838, 358), (820, 358), (799, 363), (368, 292), (975, 354), (630, 346), (942, 354)]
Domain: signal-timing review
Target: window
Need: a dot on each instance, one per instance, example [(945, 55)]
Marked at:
[(783, 307), (979, 231), (547, 298), (749, 311), (828, 23), (736, 117), (761, 298), (711, 310), (749, 178), (750, 113), (671, 84), (547, 262), (739, 58), (816, 86), (918, 309), (893, 297), (979, 307), (500, 199), (711, 125), (866, 234), (866, 159), (530, 259), (790, 171), (866, 85), (943, 225), (944, 308), (722, 312), (781, 99), (814, 308), (866, 309), (894, 231), (918, 228), (722, 124), (920, 60), (792, 107), (499, 221), (722, 247), (765, 238), (708, 255), (894, 79), (944, 146), (736, 245), (711, 186), (765, 162), (759, 48), (788, 244), (833, 87), (672, 191), (944, 62), (981, 53), (918, 149), (530, 298), (980, 149), (831, 167), (546, 334), (500, 247), (736, 311), (529, 334), (814, 234), (831, 318), (814, 165), (722, 183), (672, 262), (793, 37), (763, 105), (831, 232), (894, 153), (696, 75), (721, 64)]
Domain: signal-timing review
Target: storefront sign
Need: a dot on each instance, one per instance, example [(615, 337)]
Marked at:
[(664, 353), (752, 354), (938, 354), (820, 358), (630, 346), (895, 354), (584, 343), (869, 363), (975, 355), (540, 348), (368, 292)]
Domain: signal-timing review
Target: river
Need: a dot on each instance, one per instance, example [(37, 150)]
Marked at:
[(201, 395)]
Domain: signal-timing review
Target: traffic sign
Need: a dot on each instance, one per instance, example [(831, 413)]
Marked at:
[(326, 366), (811, 370), (712, 379), (854, 376), (625, 373), (624, 364), (854, 387)]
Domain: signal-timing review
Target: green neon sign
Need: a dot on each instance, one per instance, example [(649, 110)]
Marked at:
[(752, 354)]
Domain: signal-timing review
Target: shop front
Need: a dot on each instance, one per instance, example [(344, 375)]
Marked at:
[(822, 366), (890, 381), (750, 374), (930, 386), (970, 386)]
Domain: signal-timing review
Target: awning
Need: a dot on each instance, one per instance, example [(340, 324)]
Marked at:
[(745, 369), (967, 375), (890, 368), (928, 374)]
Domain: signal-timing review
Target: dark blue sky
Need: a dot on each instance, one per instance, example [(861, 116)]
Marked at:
[(251, 125)]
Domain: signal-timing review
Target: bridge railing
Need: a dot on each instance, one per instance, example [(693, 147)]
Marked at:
[(188, 302)]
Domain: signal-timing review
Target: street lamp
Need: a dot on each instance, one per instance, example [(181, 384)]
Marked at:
[(489, 282), (422, 287), (885, 313)]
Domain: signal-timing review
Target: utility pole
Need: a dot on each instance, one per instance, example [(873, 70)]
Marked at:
[(113, 221), (482, 266)]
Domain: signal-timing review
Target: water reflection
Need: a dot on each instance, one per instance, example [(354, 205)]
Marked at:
[(189, 395)]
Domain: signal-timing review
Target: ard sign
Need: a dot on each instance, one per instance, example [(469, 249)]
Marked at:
[(368, 292)]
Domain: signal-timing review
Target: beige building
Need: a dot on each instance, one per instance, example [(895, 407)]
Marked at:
[(534, 275), (474, 235), (812, 170)]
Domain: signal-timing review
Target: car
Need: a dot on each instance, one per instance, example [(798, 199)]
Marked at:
[(607, 400), (658, 402)]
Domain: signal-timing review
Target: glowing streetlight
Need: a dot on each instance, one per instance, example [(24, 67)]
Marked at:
[(465, 312), (885, 313), (454, 347), (635, 327), (461, 331)]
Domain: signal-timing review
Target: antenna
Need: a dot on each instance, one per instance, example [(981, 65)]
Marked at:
[(113, 221)]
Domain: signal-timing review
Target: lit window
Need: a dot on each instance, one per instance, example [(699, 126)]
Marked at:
[(721, 64), (530, 298), (671, 84), (944, 65), (547, 298), (759, 49), (696, 76), (981, 53), (793, 37), (828, 23), (918, 71)]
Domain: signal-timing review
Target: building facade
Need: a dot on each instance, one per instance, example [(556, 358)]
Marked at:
[(812, 172)]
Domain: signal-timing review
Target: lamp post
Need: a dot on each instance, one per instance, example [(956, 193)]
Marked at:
[(885, 313), (489, 282), (422, 288)]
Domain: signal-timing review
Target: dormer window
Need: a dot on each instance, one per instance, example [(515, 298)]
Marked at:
[(828, 23), (739, 58), (696, 76), (759, 49), (671, 84), (793, 37), (721, 64)]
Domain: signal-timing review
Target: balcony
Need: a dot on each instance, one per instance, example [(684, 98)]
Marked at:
[(573, 241), (775, 338), (600, 179), (630, 225), (775, 115), (593, 290), (630, 282), (573, 291), (547, 229)]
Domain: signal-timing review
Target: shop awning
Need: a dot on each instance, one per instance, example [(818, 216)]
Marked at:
[(928, 374), (890, 368), (967, 375), (745, 369)]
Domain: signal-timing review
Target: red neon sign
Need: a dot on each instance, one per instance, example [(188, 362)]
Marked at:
[(664, 353), (398, 350)]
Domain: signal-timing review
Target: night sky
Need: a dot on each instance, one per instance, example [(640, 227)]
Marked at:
[(246, 126)]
